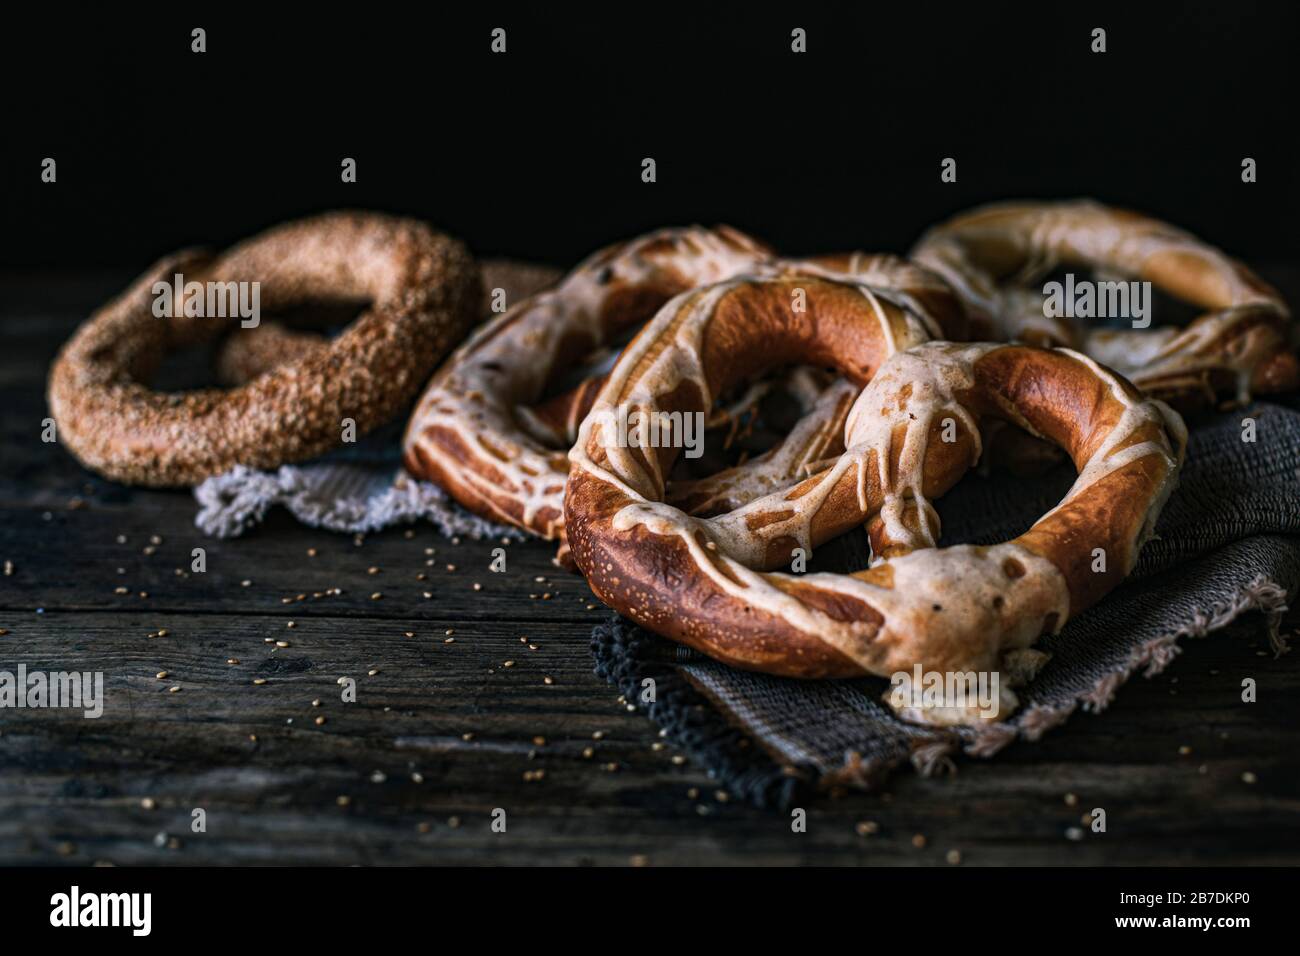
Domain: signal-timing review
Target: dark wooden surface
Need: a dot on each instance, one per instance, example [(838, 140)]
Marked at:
[(278, 788)]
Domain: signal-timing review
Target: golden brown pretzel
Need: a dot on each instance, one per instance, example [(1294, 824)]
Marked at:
[(703, 581), (422, 288), (474, 431), (992, 254), (468, 433)]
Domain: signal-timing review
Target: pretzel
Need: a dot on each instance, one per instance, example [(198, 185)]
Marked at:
[(422, 288), (474, 431), (991, 254), (708, 582)]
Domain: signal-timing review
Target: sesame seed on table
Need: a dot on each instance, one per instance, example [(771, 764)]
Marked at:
[(474, 691)]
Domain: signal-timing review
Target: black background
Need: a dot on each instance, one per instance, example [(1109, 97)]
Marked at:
[(536, 153)]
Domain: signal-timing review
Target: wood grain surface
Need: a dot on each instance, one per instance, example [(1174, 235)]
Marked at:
[(507, 715)]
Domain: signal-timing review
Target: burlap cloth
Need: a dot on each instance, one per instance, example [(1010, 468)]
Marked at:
[(1228, 542)]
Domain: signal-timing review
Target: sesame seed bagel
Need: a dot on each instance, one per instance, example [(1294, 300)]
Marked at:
[(911, 434), (247, 353), (421, 291)]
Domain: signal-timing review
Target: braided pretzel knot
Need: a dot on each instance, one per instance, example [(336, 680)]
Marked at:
[(1240, 346), (422, 289), (475, 434), (705, 583)]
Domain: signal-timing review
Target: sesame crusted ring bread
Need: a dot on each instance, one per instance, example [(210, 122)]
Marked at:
[(707, 583), (1242, 345), (248, 353), (422, 290)]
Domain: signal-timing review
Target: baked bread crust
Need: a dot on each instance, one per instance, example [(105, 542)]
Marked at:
[(708, 583)]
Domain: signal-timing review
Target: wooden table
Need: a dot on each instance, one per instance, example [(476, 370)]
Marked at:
[(444, 732)]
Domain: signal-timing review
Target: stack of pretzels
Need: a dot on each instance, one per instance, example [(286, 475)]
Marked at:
[(900, 367)]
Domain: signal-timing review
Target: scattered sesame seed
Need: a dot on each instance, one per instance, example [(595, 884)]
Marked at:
[(548, 681), (507, 663), (232, 660), (953, 857), (373, 671), (343, 800), (450, 640), (453, 822), (376, 596), (1249, 777), (259, 681), (1071, 800), (291, 624), (148, 803), (161, 675), (320, 720), (173, 690), (281, 643), (588, 752), (417, 777), (245, 583), (867, 827)]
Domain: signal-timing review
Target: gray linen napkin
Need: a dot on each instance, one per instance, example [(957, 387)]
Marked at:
[(1227, 542)]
